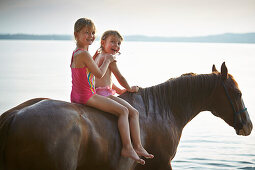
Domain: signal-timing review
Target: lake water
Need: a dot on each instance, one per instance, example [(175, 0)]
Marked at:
[(30, 69)]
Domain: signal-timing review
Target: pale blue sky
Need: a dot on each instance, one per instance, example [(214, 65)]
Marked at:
[(148, 17)]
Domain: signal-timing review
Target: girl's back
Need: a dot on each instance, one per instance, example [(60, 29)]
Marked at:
[(82, 80)]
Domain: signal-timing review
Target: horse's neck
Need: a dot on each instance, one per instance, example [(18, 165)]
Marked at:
[(188, 97), (196, 96)]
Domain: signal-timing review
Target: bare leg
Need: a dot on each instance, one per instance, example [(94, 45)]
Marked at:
[(111, 106), (134, 127)]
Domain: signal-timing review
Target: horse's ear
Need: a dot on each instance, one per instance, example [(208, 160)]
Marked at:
[(224, 71), (214, 69)]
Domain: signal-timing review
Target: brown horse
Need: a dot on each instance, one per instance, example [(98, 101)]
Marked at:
[(45, 134)]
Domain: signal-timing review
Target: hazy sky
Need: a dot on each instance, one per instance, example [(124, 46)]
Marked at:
[(148, 17)]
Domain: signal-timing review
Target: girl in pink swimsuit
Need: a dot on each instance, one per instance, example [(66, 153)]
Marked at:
[(84, 70), (83, 83)]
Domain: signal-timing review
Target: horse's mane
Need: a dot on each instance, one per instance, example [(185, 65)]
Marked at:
[(176, 91)]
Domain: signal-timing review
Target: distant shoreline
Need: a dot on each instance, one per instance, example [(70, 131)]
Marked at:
[(220, 38)]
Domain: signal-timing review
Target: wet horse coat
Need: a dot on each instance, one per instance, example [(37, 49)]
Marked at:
[(55, 135)]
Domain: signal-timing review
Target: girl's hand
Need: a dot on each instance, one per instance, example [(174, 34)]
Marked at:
[(134, 89), (110, 57)]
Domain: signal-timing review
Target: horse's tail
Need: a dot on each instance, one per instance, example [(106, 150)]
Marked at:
[(5, 122)]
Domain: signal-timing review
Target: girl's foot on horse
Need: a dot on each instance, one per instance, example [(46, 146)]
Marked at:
[(142, 152), (125, 152)]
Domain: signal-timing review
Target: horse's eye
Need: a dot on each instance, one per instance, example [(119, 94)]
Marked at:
[(239, 94)]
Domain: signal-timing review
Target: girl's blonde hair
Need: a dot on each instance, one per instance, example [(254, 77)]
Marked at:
[(108, 33), (84, 22)]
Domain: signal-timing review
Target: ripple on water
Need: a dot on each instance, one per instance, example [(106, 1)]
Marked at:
[(248, 168)]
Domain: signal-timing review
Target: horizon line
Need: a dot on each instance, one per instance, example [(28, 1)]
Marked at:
[(54, 34), (217, 38)]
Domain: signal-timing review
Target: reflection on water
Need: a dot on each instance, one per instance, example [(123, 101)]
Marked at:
[(30, 69), (205, 147)]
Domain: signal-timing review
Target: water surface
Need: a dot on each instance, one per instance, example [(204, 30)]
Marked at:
[(30, 69)]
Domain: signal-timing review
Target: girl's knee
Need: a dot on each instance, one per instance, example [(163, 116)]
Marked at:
[(133, 113), (124, 111)]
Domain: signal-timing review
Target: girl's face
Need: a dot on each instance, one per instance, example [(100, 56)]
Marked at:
[(111, 44), (85, 36)]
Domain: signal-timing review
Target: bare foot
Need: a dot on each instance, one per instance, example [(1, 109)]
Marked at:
[(132, 154), (142, 152)]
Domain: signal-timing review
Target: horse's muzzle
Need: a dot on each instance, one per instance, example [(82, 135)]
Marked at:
[(244, 129)]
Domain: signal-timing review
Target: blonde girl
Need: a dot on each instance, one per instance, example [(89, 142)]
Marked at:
[(84, 70), (110, 44)]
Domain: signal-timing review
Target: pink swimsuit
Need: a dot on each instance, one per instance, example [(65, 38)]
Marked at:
[(105, 91), (83, 84)]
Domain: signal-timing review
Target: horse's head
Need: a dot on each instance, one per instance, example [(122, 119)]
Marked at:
[(228, 103)]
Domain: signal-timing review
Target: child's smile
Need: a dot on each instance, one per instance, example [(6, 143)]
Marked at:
[(114, 51), (112, 45), (89, 40), (87, 36)]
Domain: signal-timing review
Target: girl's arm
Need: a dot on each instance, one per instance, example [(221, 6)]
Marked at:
[(117, 89), (92, 66), (121, 79), (95, 55)]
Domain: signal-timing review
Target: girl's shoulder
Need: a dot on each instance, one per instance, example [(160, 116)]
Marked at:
[(82, 55), (100, 59), (80, 52)]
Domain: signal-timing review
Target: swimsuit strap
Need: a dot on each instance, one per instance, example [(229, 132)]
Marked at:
[(74, 53)]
